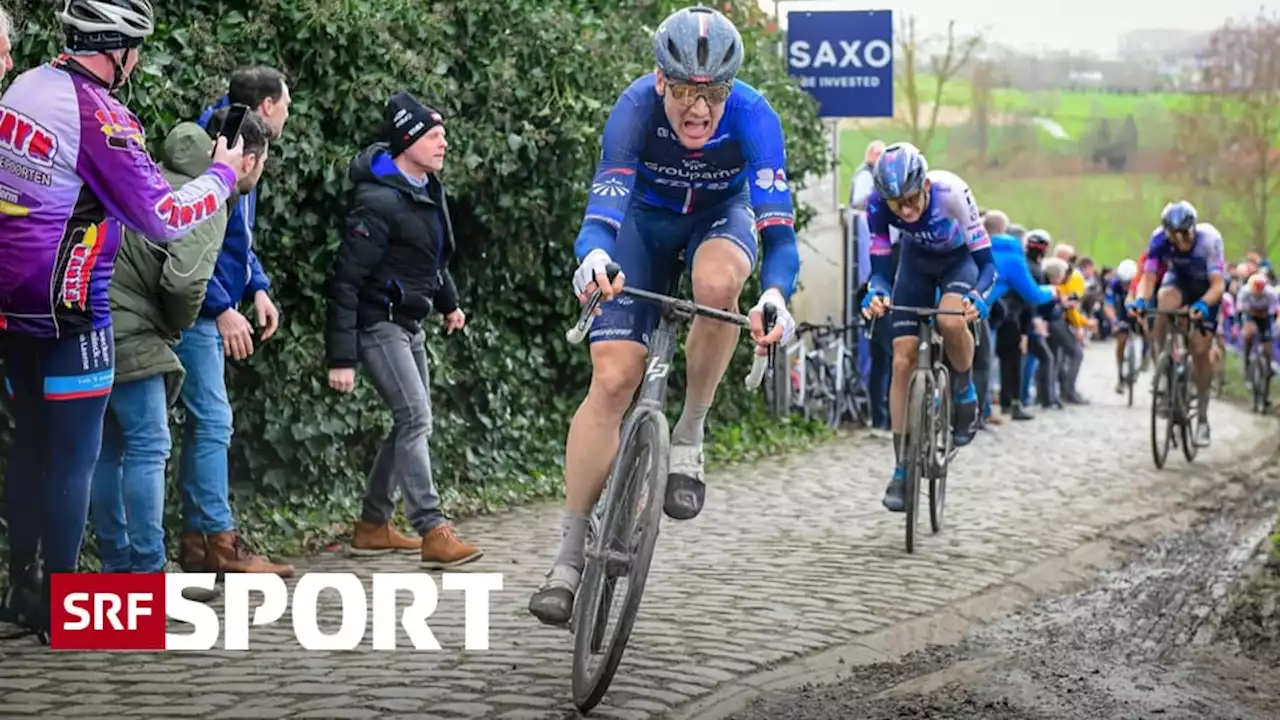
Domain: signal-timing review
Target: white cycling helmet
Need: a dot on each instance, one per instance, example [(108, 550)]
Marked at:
[(103, 25), (1126, 270)]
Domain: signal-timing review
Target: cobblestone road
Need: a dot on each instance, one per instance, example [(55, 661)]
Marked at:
[(790, 557)]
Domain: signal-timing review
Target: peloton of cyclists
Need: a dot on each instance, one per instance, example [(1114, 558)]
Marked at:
[(1195, 279), (946, 261)]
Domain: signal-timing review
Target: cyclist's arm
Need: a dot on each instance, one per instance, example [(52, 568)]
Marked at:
[(881, 251), (965, 211), (1217, 266), (1157, 249), (131, 187), (764, 150), (1017, 274), (615, 178)]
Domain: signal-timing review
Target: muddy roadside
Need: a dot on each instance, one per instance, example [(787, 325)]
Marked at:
[(1187, 627)]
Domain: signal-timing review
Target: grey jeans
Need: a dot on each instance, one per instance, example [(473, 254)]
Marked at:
[(1066, 347), (396, 361)]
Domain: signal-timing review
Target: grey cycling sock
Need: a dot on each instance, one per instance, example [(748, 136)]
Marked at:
[(573, 541), (691, 427), (1203, 407)]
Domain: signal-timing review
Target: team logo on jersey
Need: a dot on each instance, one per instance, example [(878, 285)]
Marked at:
[(25, 138), (122, 130), (180, 216), (84, 255), (611, 187), (693, 164), (768, 179)]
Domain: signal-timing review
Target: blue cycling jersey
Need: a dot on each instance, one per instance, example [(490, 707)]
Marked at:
[(643, 161), (950, 222)]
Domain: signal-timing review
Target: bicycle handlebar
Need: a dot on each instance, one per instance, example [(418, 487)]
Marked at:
[(759, 363)]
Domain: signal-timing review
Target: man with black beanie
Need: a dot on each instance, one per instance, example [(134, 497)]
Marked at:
[(391, 273)]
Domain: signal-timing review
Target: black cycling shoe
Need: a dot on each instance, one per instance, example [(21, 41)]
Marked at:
[(895, 495), (552, 604), (965, 416), (26, 604), (684, 498)]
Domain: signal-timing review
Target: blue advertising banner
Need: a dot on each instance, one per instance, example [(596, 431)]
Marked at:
[(844, 59)]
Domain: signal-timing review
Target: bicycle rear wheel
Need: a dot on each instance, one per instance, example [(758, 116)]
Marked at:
[(942, 442), (1256, 376), (1162, 410), (919, 439), (622, 549)]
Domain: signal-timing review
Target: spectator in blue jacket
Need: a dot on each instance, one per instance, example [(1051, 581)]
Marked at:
[(211, 542), (1015, 290)]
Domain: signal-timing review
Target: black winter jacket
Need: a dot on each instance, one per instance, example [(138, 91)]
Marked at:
[(394, 260)]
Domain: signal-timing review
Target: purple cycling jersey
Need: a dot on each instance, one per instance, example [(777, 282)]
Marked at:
[(73, 169)]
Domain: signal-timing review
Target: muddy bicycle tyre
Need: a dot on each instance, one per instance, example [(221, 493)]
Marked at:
[(1186, 419), (942, 447), (1130, 367), (1162, 397), (641, 464), (918, 451)]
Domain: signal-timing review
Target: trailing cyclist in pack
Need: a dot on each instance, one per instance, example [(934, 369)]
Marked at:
[(946, 263), (1195, 279), (1256, 304)]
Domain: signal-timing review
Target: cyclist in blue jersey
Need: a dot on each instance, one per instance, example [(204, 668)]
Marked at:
[(945, 251), (1116, 295), (693, 162), (76, 170), (1196, 278)]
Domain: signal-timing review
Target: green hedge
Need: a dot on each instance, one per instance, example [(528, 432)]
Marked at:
[(525, 88)]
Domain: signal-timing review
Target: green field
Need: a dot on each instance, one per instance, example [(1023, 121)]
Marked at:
[(1107, 216)]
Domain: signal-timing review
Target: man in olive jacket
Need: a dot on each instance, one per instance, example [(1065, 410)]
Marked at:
[(156, 293)]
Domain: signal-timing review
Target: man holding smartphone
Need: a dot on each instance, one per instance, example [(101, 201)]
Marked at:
[(210, 543), (156, 293)]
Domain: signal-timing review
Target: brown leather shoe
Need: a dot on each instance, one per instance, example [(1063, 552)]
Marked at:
[(191, 553), (442, 549), (226, 553), (370, 539)]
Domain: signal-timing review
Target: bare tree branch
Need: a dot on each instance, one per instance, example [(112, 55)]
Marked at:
[(956, 54)]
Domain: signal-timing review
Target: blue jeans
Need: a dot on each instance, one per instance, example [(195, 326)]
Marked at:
[(127, 502), (206, 435)]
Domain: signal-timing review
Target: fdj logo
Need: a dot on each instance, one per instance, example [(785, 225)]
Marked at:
[(875, 54), (657, 369)]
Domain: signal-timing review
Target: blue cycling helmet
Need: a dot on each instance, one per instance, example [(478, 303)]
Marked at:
[(1178, 216), (899, 171)]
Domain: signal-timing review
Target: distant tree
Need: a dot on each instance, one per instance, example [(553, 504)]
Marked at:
[(1227, 137), (1128, 140), (980, 85), (955, 53)]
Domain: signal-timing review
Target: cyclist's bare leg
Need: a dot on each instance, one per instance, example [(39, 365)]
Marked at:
[(1247, 335), (720, 269), (1202, 366), (1169, 298), (1122, 339), (956, 337), (616, 369)]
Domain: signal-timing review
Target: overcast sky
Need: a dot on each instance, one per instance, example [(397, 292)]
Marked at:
[(1082, 25)]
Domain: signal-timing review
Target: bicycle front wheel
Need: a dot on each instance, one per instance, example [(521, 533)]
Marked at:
[(1186, 413), (919, 440), (1131, 367), (621, 551), (942, 447), (1162, 410)]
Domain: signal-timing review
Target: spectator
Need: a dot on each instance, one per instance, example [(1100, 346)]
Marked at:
[(156, 293), (1015, 294), (211, 542), (1039, 361), (881, 335), (6, 42), (59, 353), (391, 271), (1062, 340)]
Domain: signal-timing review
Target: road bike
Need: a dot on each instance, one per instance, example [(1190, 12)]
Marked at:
[(930, 444), (1258, 371), (1130, 364), (1171, 391), (831, 385), (624, 525)]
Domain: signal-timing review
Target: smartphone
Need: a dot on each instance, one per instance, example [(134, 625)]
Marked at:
[(231, 126)]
